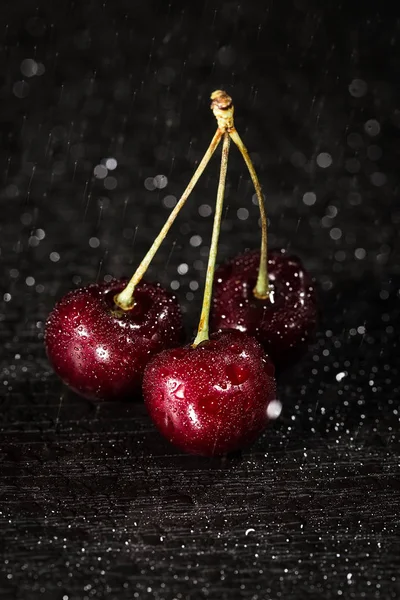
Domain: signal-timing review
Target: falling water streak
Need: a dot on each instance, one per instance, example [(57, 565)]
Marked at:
[(52, 34), (61, 93), (172, 166), (240, 181), (23, 125), (364, 334), (131, 256), (150, 54), (313, 101), (100, 215), (356, 432), (89, 197), (58, 413), (126, 201), (85, 191), (298, 223), (48, 145), (101, 265), (7, 169), (69, 139), (217, 432), (316, 407), (74, 173), (170, 254), (28, 194), (56, 55), (131, 105), (189, 150), (134, 237), (183, 70), (227, 207), (255, 96)]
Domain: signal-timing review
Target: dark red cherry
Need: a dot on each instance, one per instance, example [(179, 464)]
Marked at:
[(284, 323), (99, 350), (212, 399)]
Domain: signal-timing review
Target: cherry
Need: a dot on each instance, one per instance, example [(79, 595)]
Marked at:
[(285, 321), (214, 398), (99, 350), (100, 338)]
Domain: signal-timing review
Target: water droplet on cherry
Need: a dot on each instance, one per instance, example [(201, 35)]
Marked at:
[(237, 374)]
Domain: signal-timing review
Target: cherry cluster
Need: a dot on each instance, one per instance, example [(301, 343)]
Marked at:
[(108, 341)]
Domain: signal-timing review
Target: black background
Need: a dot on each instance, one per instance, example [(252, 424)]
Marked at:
[(94, 504)]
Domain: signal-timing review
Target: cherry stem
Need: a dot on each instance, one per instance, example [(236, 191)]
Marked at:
[(261, 290), (203, 330), (223, 109), (125, 299)]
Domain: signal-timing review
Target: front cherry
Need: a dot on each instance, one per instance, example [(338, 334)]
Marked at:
[(284, 322), (99, 350), (214, 398)]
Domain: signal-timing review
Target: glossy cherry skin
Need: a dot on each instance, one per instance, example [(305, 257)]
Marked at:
[(99, 350), (212, 399), (283, 324)]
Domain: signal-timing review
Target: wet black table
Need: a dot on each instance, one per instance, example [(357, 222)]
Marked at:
[(93, 503)]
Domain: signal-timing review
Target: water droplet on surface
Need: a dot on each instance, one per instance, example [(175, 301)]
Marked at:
[(341, 375), (242, 214), (269, 369), (149, 184), (178, 353), (21, 89), (274, 409), (358, 88), (180, 391), (160, 181), (100, 172), (183, 268), (372, 127), (110, 183), (28, 67), (324, 160), (169, 424), (111, 164), (235, 348), (309, 198), (237, 374), (169, 201)]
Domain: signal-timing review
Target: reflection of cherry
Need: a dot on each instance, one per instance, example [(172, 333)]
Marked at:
[(214, 398), (284, 322), (100, 350)]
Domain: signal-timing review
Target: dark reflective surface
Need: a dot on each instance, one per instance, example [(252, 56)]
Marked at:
[(105, 114)]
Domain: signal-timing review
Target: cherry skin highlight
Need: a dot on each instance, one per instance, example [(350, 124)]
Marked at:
[(99, 350), (212, 399), (285, 322)]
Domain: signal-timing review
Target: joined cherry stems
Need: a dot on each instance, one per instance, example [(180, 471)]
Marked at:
[(223, 110)]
